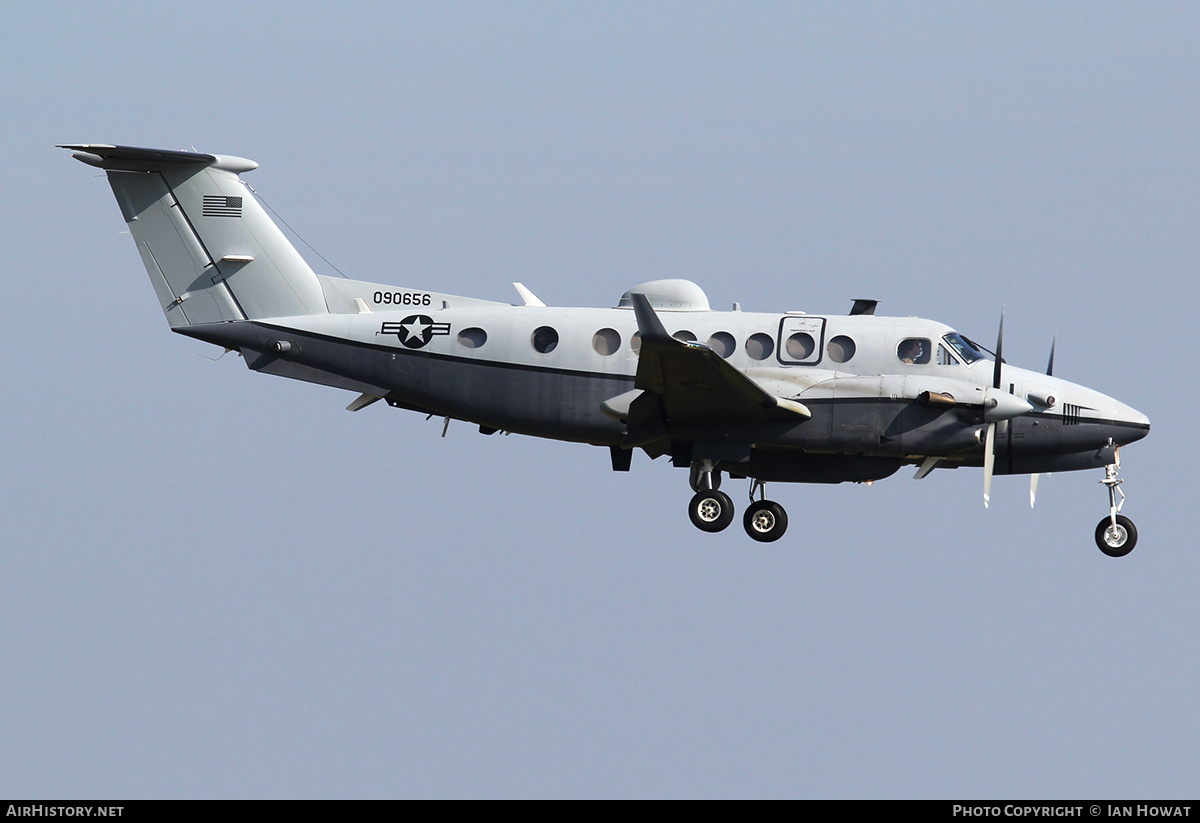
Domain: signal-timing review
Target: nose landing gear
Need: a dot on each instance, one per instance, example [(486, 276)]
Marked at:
[(1115, 534)]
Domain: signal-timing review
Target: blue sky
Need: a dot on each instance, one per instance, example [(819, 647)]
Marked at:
[(220, 584)]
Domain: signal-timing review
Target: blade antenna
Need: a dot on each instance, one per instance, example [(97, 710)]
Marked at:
[(1050, 364)]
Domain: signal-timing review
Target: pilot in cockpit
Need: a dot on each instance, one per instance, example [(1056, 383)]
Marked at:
[(912, 351)]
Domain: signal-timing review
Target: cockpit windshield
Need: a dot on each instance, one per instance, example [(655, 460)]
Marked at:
[(963, 347)]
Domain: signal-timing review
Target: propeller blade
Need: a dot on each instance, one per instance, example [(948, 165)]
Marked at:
[(989, 463), (1033, 484), (1050, 365), (999, 352)]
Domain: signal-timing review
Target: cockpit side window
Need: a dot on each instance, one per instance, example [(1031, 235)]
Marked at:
[(944, 357), (963, 347), (913, 350)]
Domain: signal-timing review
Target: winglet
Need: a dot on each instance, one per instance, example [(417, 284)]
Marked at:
[(649, 326)]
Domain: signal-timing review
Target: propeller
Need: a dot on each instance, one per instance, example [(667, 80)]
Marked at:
[(999, 352), (989, 463), (1035, 477), (998, 405), (989, 445)]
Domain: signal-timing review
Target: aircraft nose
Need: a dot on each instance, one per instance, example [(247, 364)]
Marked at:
[(1135, 424)]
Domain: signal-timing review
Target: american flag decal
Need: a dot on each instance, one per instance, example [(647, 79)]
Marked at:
[(218, 205)]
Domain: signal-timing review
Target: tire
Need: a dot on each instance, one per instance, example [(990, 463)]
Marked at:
[(1116, 543), (765, 521), (711, 510)]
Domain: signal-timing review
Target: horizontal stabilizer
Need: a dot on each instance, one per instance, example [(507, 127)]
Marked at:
[(133, 158)]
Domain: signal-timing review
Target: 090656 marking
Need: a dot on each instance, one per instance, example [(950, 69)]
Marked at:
[(401, 298)]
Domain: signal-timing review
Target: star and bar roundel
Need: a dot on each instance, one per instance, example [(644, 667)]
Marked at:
[(416, 330)]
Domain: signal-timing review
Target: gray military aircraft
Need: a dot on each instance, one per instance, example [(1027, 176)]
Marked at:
[(791, 397)]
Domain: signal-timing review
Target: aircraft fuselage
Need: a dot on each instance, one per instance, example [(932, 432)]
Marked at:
[(868, 405)]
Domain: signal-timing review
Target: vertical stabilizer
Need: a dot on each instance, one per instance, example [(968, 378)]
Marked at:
[(210, 249)]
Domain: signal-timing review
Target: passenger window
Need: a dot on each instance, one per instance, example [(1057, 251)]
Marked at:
[(759, 346), (606, 341), (544, 340), (722, 343), (472, 338), (913, 350), (840, 348), (800, 346)]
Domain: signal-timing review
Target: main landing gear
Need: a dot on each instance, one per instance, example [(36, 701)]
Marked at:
[(1115, 534), (765, 520), (711, 510)]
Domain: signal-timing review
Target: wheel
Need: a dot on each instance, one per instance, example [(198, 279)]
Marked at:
[(694, 479), (1119, 541), (765, 521), (711, 510)]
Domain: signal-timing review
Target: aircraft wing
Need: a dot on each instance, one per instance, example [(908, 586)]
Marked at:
[(695, 385)]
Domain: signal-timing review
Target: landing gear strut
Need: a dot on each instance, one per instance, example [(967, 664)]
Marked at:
[(704, 476), (1115, 534)]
